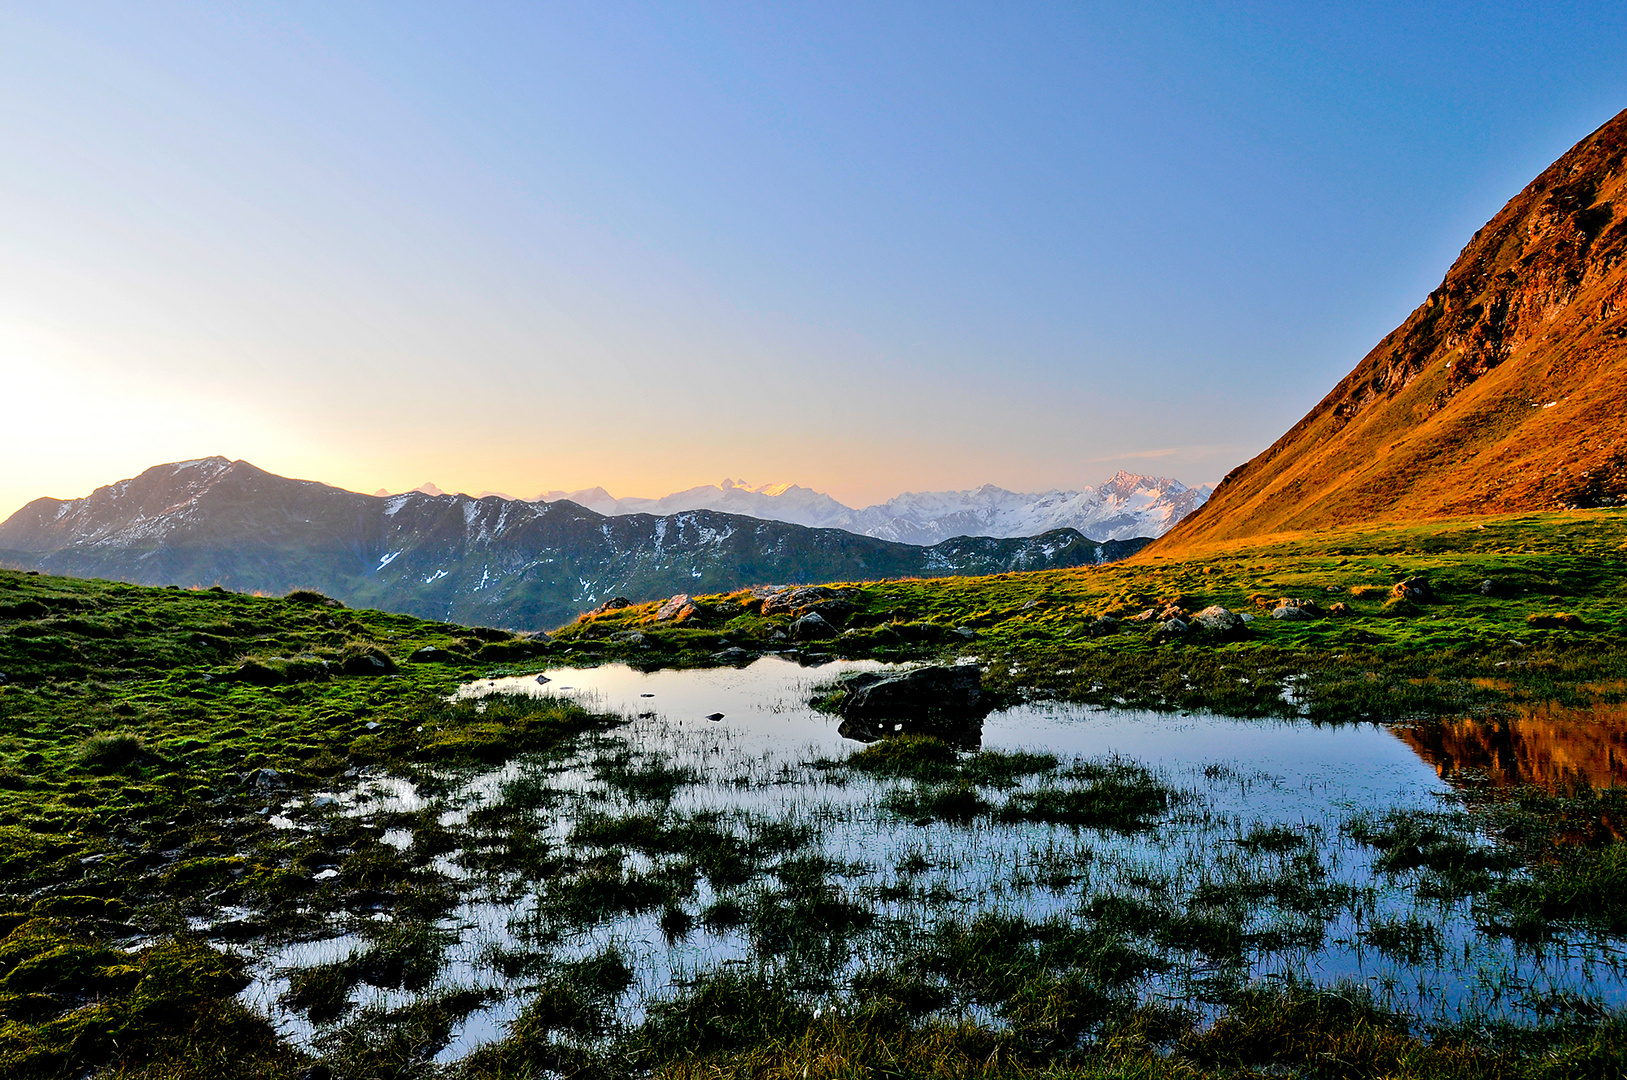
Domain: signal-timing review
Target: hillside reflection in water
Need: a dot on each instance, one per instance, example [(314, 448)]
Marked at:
[(1548, 746)]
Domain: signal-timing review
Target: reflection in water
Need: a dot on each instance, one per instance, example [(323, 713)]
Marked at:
[(1545, 745)]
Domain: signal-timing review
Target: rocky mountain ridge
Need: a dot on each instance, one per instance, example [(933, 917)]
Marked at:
[(495, 561), (1504, 391), (1128, 505)]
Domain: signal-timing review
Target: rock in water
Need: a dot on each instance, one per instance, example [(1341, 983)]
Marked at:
[(943, 701)]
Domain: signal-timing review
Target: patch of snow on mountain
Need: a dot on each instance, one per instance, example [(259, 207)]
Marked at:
[(1126, 506)]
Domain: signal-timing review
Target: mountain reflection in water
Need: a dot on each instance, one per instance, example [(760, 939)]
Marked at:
[(1546, 745)]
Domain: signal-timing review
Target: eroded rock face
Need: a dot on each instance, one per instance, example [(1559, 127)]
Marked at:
[(943, 701)]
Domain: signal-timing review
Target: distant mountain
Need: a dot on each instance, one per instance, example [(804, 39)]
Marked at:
[(1504, 391), (496, 561), (1126, 506)]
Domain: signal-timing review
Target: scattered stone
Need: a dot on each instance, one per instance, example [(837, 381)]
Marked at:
[(966, 632), (678, 608), (1487, 588), (2, 678), (1291, 613), (634, 638), (811, 625), (325, 875), (1246, 616), (1144, 616), (544, 679), (267, 780), (790, 601), (1219, 620), (1414, 589), (1339, 610), (734, 654), (1102, 627), (367, 663), (1173, 626), (429, 654), (714, 717), (372, 725)]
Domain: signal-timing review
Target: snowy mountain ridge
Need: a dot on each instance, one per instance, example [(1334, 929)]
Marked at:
[(1125, 506)]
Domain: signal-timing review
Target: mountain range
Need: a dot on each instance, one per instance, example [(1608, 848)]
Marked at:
[(1505, 391), (1128, 505), (512, 563)]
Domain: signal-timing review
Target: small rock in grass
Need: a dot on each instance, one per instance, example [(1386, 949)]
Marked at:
[(1219, 620)]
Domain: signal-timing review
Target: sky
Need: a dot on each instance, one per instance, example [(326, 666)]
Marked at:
[(868, 248)]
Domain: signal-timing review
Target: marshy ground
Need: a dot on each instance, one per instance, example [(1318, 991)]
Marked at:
[(252, 836)]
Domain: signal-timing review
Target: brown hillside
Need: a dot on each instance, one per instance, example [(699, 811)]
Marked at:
[(1505, 391)]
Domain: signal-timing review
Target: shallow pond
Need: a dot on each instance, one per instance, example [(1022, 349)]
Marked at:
[(1248, 854)]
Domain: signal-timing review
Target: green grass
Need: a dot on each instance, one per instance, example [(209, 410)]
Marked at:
[(140, 731), (1460, 649)]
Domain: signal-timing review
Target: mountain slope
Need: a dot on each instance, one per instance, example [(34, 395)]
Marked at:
[(1504, 391), (490, 560), (1126, 506)]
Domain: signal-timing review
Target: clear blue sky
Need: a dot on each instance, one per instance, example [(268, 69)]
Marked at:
[(868, 248)]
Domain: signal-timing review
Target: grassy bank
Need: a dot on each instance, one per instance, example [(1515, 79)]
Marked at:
[(164, 754), (1511, 609)]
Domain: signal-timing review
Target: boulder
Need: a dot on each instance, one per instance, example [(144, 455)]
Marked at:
[(1102, 627), (1339, 610), (1292, 613), (1219, 620), (429, 654), (628, 637), (966, 632), (678, 608), (267, 780), (1143, 616), (734, 654), (615, 603), (788, 601), (1173, 626), (1414, 589), (945, 701), (811, 625)]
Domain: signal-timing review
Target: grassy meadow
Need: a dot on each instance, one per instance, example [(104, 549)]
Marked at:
[(187, 776)]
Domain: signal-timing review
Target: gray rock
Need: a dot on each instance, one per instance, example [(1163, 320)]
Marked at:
[(267, 780), (811, 625), (634, 638), (1291, 613), (1219, 620), (429, 654), (1102, 627), (966, 632), (732, 655), (822, 596), (942, 693), (1173, 626), (1486, 589)]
